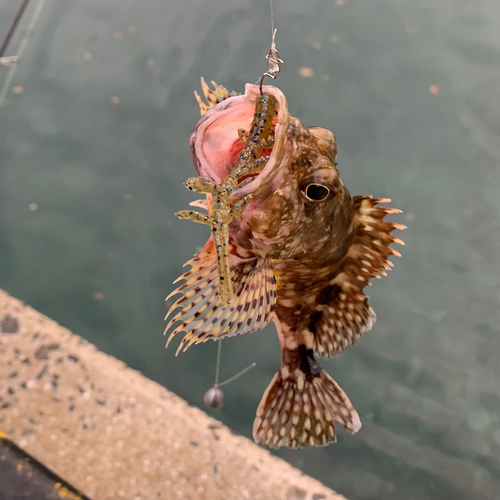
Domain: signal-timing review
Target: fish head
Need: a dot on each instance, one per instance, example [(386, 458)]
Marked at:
[(304, 211), (300, 206)]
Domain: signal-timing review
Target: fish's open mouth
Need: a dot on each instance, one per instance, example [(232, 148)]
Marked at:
[(216, 140)]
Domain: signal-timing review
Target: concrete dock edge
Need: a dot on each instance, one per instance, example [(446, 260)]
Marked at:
[(113, 433)]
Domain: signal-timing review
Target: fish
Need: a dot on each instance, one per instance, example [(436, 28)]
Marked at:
[(300, 255)]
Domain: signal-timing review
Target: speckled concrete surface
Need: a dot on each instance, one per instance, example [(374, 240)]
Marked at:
[(113, 433)]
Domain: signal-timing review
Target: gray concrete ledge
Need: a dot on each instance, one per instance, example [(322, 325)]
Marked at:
[(113, 433)]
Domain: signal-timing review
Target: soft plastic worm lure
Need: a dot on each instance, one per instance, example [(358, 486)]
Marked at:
[(221, 211)]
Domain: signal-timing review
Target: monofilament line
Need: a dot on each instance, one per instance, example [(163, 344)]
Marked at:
[(217, 365), (272, 17), (239, 374), (234, 377), (214, 398), (20, 52)]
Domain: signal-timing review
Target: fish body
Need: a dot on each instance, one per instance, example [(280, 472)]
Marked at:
[(300, 255)]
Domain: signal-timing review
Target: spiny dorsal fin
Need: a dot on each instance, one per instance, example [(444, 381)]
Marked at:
[(300, 406), (213, 97), (202, 314), (342, 313)]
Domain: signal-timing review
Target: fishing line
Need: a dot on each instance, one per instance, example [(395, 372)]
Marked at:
[(239, 374), (272, 17), (273, 58), (217, 366), (14, 61), (214, 398)]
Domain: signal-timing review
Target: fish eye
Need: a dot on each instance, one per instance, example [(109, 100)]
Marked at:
[(315, 190)]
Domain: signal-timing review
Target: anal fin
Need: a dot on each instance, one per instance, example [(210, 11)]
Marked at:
[(301, 404), (340, 319)]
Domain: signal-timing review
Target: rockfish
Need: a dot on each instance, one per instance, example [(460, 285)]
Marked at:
[(300, 254)]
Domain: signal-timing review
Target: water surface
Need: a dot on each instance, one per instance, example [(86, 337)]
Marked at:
[(94, 150)]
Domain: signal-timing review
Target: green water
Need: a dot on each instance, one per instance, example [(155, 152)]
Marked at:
[(107, 176)]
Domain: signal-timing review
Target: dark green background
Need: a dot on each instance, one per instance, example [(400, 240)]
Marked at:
[(426, 380)]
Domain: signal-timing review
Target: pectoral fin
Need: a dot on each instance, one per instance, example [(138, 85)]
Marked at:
[(202, 314), (342, 313)]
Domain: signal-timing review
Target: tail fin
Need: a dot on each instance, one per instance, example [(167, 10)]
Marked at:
[(301, 404)]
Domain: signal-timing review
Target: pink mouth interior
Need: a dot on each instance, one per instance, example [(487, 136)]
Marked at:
[(221, 144)]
